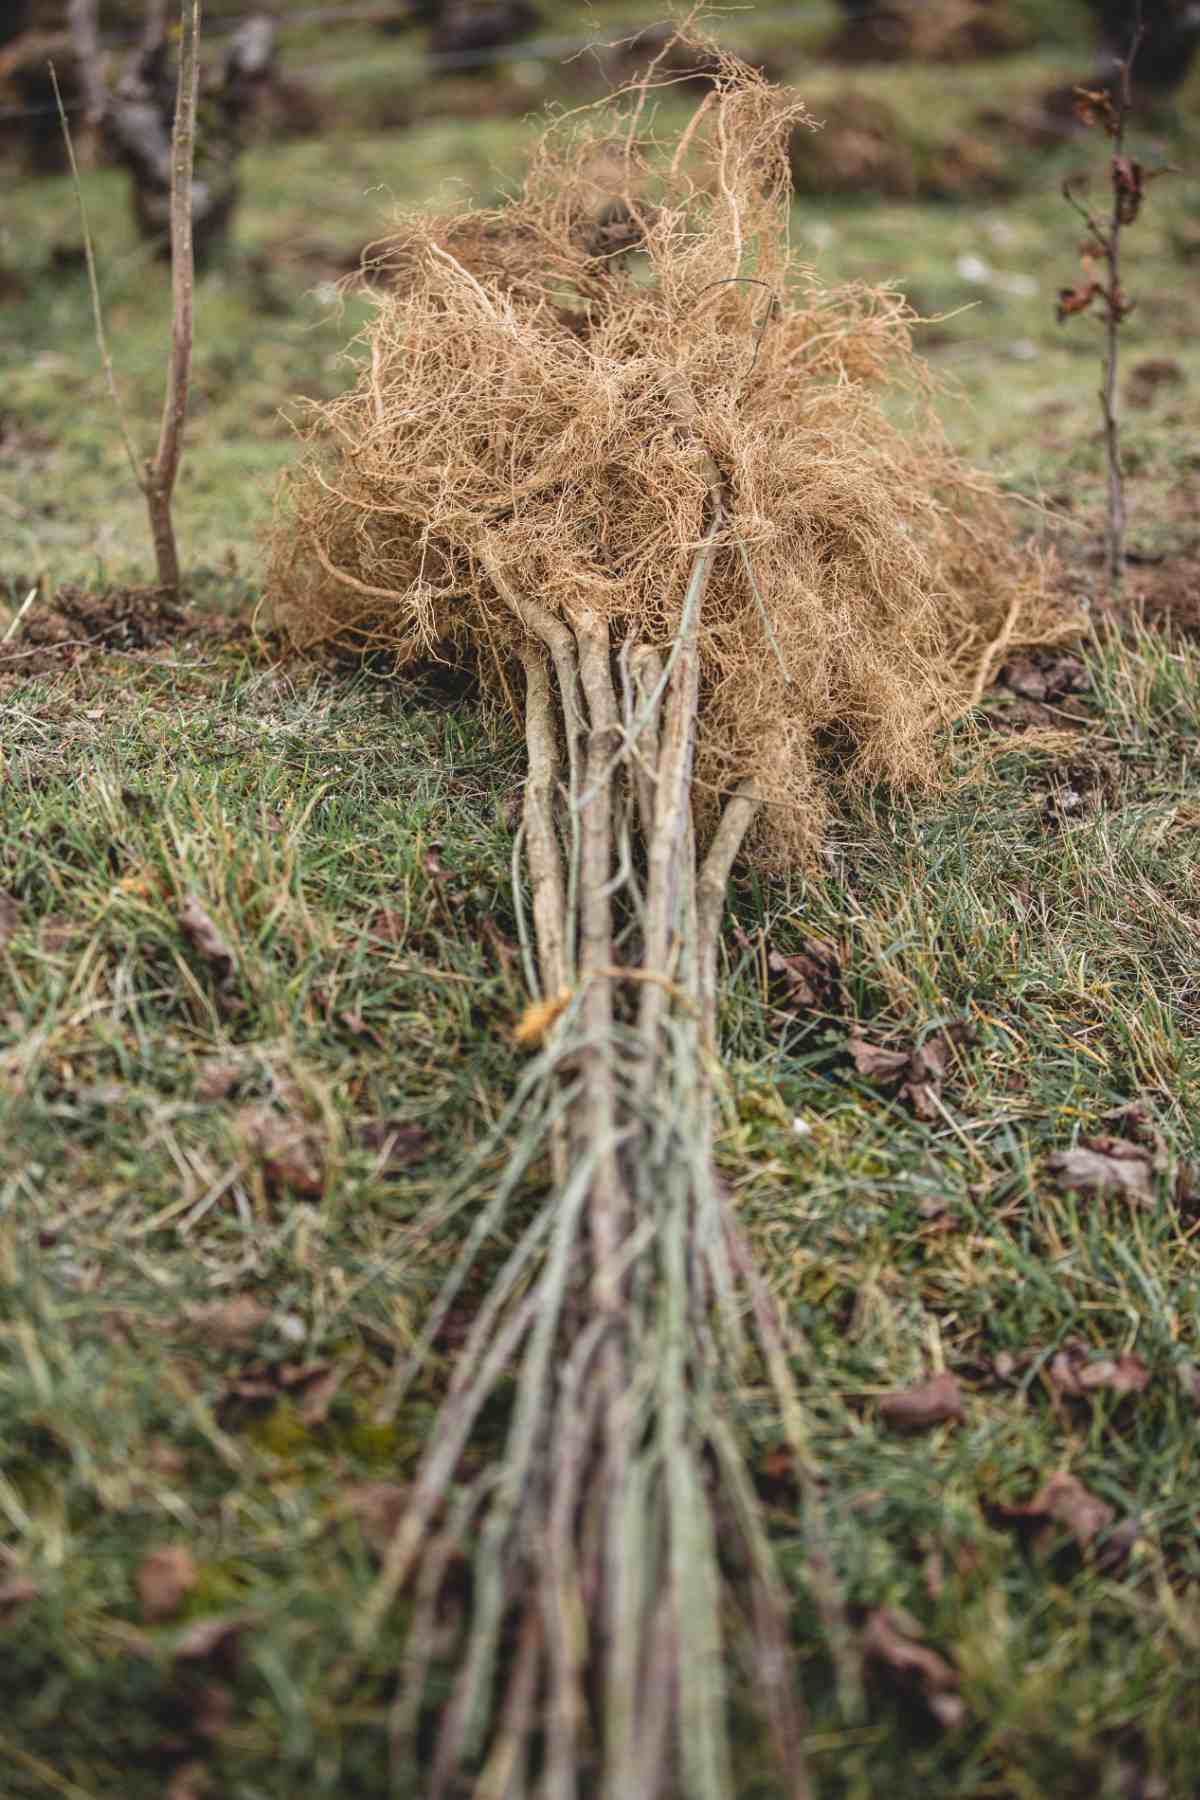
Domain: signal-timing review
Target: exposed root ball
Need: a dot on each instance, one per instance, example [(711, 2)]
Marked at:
[(542, 387)]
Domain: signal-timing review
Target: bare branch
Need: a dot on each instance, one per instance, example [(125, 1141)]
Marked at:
[(85, 42), (161, 472)]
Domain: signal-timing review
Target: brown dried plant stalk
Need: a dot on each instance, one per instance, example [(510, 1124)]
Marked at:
[(1128, 180), (611, 440), (157, 475)]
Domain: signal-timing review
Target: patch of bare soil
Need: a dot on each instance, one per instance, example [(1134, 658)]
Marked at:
[(954, 31), (863, 147), (1167, 596), (57, 633)]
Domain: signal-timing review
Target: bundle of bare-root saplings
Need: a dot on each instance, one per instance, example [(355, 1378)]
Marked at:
[(612, 443)]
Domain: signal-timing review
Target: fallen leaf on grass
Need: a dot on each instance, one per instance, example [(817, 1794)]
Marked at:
[(164, 1580), (10, 917), (939, 1214), (1045, 675), (1071, 1372), (57, 931), (1139, 1129), (1188, 1376), (387, 927), (873, 1061), (891, 1642), (15, 1594), (378, 1507), (928, 1403), (352, 1018), (1119, 1168), (227, 1324), (285, 1148), (1064, 1500), (311, 1386), (217, 1078), (204, 937), (395, 1141), (189, 1782), (919, 1072), (214, 1640), (811, 978), (319, 1394)]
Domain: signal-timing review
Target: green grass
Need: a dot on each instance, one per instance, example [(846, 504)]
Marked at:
[(349, 835)]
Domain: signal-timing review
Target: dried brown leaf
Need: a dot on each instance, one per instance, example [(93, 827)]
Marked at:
[(387, 926), (319, 1396), (1073, 1373), (285, 1148), (1094, 106), (217, 1078), (1077, 299), (1125, 1171), (10, 917), (164, 1580), (227, 1324), (378, 1506), (890, 1642), (214, 1640), (1064, 1500), (15, 1594), (1188, 1376), (928, 1403), (397, 1142), (204, 938), (810, 978), (873, 1061), (191, 1781), (1045, 675)]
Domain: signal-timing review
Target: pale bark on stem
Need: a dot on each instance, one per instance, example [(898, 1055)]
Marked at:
[(711, 888), (85, 41), (162, 469), (645, 666), (596, 950), (542, 850), (154, 27), (672, 811), (558, 640), (545, 861)]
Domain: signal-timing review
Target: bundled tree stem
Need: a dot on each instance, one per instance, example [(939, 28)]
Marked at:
[(687, 537)]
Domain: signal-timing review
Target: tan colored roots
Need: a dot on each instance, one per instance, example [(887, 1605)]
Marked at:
[(541, 388)]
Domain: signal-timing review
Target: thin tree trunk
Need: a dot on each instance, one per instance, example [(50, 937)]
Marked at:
[(162, 470), (85, 41)]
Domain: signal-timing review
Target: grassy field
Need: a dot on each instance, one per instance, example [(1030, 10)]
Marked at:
[(258, 980)]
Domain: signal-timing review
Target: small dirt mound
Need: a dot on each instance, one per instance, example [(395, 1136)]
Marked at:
[(947, 31), (55, 634), (865, 147)]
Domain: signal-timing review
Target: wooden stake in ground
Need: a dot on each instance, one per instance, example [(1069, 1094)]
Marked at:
[(157, 476)]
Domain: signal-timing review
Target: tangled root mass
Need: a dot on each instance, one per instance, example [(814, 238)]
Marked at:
[(519, 413)]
